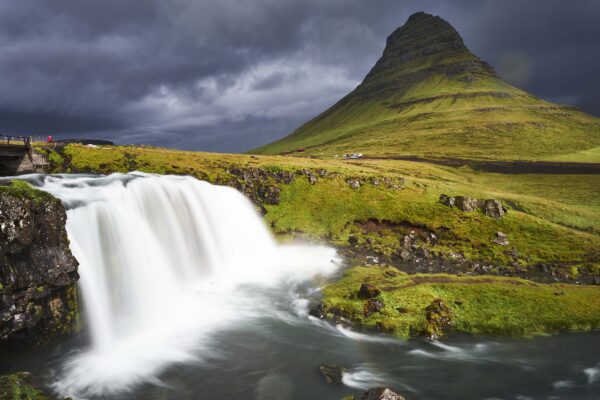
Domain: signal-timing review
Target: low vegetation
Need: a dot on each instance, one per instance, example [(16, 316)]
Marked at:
[(476, 305)]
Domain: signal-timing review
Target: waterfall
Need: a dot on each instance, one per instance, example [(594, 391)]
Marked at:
[(165, 262)]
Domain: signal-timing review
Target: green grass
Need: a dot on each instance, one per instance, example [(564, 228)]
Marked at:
[(553, 218), (22, 189), (480, 305)]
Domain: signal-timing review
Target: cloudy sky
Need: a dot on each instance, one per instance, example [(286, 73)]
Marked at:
[(230, 75)]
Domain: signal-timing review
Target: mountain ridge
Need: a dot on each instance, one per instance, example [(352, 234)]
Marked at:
[(429, 96)]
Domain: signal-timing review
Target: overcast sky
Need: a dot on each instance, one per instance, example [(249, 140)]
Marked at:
[(230, 75)]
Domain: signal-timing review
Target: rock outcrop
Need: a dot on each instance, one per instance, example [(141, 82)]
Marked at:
[(490, 207), (38, 273)]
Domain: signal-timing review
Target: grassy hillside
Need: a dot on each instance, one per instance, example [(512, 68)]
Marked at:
[(428, 96), (553, 222)]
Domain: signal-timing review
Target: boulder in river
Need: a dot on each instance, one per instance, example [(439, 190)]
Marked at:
[(332, 373), (381, 394), (38, 273), (368, 291)]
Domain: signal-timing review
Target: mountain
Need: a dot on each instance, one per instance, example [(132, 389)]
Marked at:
[(429, 96)]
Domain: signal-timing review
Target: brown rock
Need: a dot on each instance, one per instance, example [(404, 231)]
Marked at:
[(368, 291)]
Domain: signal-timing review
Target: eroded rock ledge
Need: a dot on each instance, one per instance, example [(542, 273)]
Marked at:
[(38, 273)]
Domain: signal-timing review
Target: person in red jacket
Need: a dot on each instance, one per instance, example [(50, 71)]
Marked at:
[(49, 139)]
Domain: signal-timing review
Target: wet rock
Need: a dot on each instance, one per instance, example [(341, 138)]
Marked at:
[(38, 273), (353, 240), (493, 208), (381, 394), (353, 183), (372, 306), (501, 239), (332, 373), (368, 291), (439, 319), (466, 204), (317, 312)]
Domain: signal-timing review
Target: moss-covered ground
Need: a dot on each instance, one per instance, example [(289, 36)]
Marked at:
[(18, 387), (478, 304), (22, 189)]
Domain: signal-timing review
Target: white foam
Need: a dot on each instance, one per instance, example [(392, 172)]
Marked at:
[(164, 261)]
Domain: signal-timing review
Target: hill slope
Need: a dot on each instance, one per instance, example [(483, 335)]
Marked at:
[(429, 96)]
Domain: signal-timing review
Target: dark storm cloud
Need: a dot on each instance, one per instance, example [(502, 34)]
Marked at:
[(230, 75)]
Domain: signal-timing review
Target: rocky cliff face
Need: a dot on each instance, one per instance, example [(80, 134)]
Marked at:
[(38, 273)]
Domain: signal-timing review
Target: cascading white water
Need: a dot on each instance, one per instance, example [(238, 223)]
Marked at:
[(163, 262)]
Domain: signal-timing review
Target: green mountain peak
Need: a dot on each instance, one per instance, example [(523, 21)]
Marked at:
[(429, 96)]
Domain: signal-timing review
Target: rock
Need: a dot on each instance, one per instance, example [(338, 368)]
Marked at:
[(38, 273), (353, 240), (501, 239), (372, 306), (493, 208), (467, 204), (332, 373), (381, 394), (271, 195), (408, 240), (368, 291), (354, 183), (447, 200), (312, 179), (405, 255), (423, 252), (322, 173), (317, 312), (439, 319)]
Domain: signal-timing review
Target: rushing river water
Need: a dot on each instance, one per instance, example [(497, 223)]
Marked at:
[(187, 296)]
